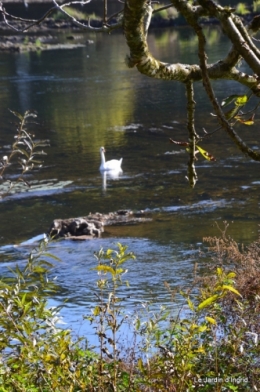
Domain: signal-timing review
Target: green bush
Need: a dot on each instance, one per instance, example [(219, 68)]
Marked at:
[(35, 354)]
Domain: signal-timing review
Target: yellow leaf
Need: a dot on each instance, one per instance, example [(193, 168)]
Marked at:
[(249, 121), (211, 320), (200, 350), (202, 328), (208, 301), (109, 252), (228, 100), (63, 356), (140, 364), (96, 311), (104, 269), (219, 271), (231, 275), (49, 357), (190, 303), (119, 271), (241, 100), (231, 288), (205, 154), (231, 113)]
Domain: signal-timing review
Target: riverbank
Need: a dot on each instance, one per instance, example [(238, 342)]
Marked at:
[(43, 36)]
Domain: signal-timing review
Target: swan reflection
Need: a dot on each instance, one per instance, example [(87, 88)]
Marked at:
[(110, 175)]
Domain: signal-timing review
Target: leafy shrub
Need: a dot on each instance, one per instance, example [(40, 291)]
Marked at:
[(23, 155), (35, 354)]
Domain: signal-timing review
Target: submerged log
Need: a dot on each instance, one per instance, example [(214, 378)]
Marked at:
[(92, 226)]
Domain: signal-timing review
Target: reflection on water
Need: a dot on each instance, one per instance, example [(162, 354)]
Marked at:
[(110, 175), (86, 98)]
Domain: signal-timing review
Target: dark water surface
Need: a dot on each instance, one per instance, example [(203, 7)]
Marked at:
[(87, 98)]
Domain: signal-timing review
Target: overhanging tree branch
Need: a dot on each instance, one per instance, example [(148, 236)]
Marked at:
[(106, 27), (193, 137), (232, 27), (135, 15), (221, 116)]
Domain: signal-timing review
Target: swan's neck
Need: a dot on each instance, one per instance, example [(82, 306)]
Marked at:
[(103, 160)]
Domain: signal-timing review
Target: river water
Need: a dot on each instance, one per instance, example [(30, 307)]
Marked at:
[(87, 98)]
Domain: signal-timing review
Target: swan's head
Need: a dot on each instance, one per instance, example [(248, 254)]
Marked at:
[(102, 149)]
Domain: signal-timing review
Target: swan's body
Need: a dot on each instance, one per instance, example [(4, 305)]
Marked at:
[(114, 164)]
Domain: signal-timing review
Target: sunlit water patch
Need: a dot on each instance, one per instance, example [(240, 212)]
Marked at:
[(34, 188)]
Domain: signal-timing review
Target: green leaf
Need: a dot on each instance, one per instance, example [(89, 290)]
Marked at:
[(42, 143), (231, 113), (39, 270), (32, 160), (126, 257), (23, 298), (16, 114), (241, 100), (47, 254), (228, 100), (200, 349), (232, 387), (138, 324), (23, 152), (45, 264), (208, 301), (28, 144)]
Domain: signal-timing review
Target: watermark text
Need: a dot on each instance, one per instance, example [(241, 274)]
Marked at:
[(221, 380)]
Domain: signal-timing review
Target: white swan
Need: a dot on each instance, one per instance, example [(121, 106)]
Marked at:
[(114, 164)]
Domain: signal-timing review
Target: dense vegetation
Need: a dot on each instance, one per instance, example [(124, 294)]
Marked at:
[(212, 344)]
